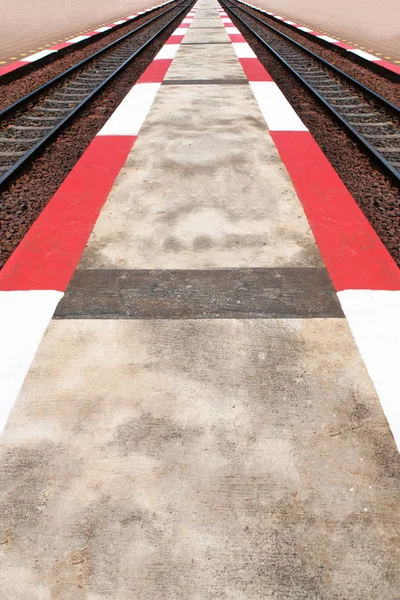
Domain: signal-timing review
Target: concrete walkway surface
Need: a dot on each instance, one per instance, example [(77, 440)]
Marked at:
[(198, 423)]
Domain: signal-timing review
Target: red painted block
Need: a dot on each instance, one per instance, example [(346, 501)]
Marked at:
[(254, 70), (61, 46), (344, 46), (237, 37), (11, 67), (388, 65), (175, 39), (156, 71), (90, 33)]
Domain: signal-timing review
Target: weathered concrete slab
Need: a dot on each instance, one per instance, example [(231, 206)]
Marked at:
[(206, 35), (204, 12), (203, 188), (203, 20), (207, 459), (205, 62)]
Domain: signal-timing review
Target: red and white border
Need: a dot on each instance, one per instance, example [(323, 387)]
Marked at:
[(366, 278), (19, 67), (361, 54), (33, 280)]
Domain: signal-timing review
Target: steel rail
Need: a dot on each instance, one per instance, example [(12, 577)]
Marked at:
[(391, 108), (20, 104)]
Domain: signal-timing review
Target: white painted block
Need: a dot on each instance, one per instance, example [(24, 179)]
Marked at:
[(167, 51), (243, 50), (327, 38), (119, 22), (101, 29), (24, 317), (290, 22), (232, 30), (79, 38), (128, 118), (306, 29), (276, 110), (226, 20), (38, 55), (374, 320), (365, 55), (180, 31), (187, 21)]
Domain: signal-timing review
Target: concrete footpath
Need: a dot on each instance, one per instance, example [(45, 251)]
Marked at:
[(198, 422)]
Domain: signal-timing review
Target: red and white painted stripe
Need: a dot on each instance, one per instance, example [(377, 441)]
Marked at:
[(366, 278), (33, 280), (384, 64), (40, 57)]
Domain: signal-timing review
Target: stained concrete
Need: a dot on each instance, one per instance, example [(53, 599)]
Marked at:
[(205, 62), (209, 459), (207, 20), (206, 35), (222, 459), (203, 188)]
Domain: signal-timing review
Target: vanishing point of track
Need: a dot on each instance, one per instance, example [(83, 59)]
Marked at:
[(29, 124), (371, 119)]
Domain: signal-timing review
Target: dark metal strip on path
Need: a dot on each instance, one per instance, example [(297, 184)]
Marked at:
[(200, 294)]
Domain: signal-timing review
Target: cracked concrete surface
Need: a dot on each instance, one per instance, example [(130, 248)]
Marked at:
[(202, 188), (223, 459), (213, 459)]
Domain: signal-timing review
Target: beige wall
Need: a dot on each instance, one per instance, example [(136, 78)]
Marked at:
[(373, 24), (28, 24)]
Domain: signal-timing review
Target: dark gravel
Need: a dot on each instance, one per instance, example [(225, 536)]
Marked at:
[(13, 91), (26, 197), (373, 191)]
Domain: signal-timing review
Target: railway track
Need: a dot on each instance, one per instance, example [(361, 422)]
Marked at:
[(371, 119), (28, 125)]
